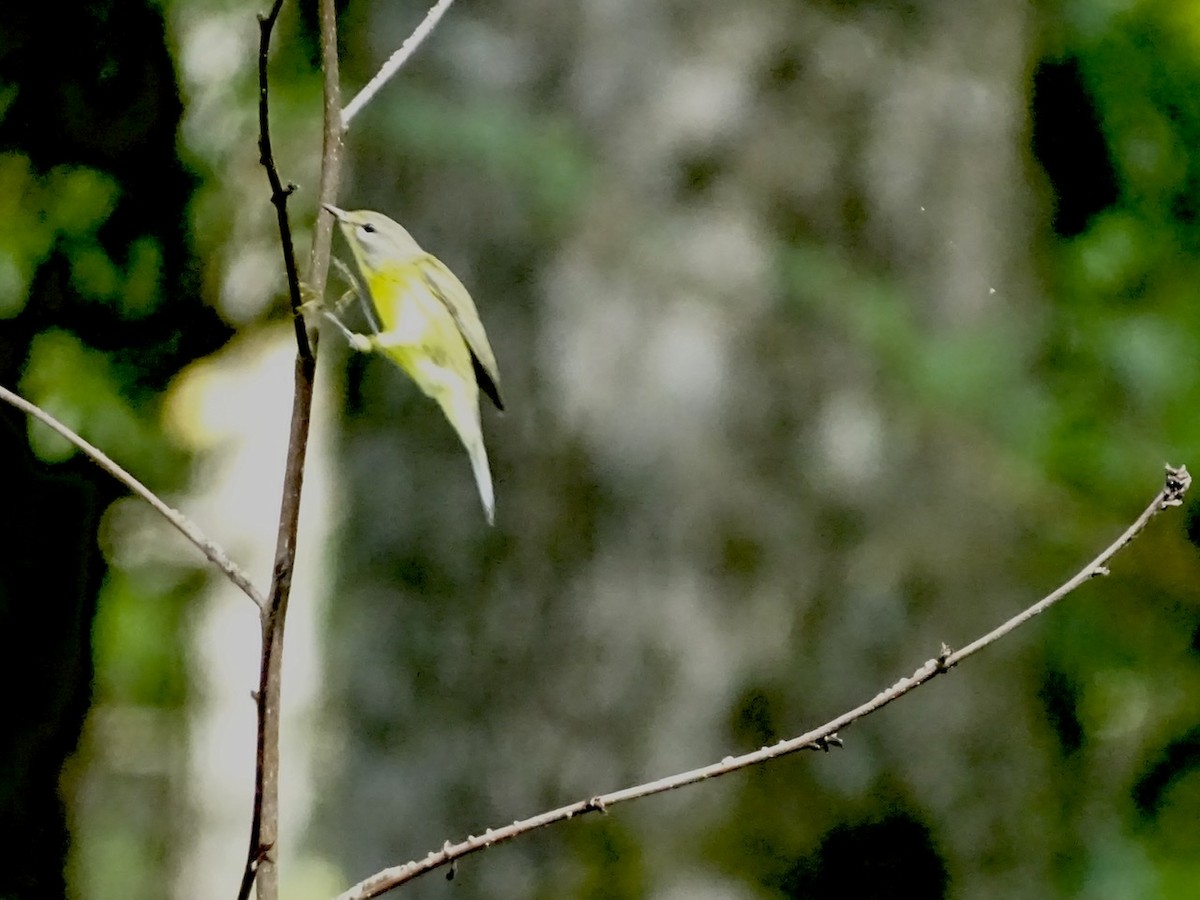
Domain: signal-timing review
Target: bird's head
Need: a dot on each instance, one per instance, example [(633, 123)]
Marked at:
[(377, 241)]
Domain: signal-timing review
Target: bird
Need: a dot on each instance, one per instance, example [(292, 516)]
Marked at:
[(424, 320)]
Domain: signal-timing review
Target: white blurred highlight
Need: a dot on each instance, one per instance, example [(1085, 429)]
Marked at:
[(235, 409)]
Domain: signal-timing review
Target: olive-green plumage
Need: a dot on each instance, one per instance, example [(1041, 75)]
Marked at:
[(428, 325)]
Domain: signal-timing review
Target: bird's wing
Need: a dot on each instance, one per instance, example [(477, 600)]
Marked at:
[(444, 285)]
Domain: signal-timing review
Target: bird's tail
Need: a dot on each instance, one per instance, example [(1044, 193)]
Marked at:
[(463, 413), (483, 478)]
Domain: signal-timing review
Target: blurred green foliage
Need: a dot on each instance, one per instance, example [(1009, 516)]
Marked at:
[(1021, 430), (474, 671), (67, 203), (139, 627), (83, 388), (499, 141), (100, 311)]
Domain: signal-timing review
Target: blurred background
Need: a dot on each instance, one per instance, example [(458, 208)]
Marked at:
[(829, 331)]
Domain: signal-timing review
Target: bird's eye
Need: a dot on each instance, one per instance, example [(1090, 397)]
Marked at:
[(369, 228)]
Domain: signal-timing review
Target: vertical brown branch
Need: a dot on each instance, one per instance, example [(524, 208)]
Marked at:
[(331, 147), (260, 869)]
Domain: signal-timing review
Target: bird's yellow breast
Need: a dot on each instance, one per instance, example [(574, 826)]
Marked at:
[(419, 332), (404, 305)]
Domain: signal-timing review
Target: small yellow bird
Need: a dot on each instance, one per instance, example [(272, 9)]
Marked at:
[(425, 322)]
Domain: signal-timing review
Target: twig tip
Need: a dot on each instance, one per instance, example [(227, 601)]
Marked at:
[(943, 658), (1177, 482)]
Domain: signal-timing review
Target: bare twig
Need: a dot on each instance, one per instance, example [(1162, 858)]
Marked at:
[(264, 819), (1177, 482), (822, 738), (395, 61), (205, 545), (279, 193)]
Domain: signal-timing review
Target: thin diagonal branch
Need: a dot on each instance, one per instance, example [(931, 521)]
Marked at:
[(1177, 482), (188, 529), (388, 70)]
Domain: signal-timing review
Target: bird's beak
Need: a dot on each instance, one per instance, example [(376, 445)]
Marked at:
[(339, 214)]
